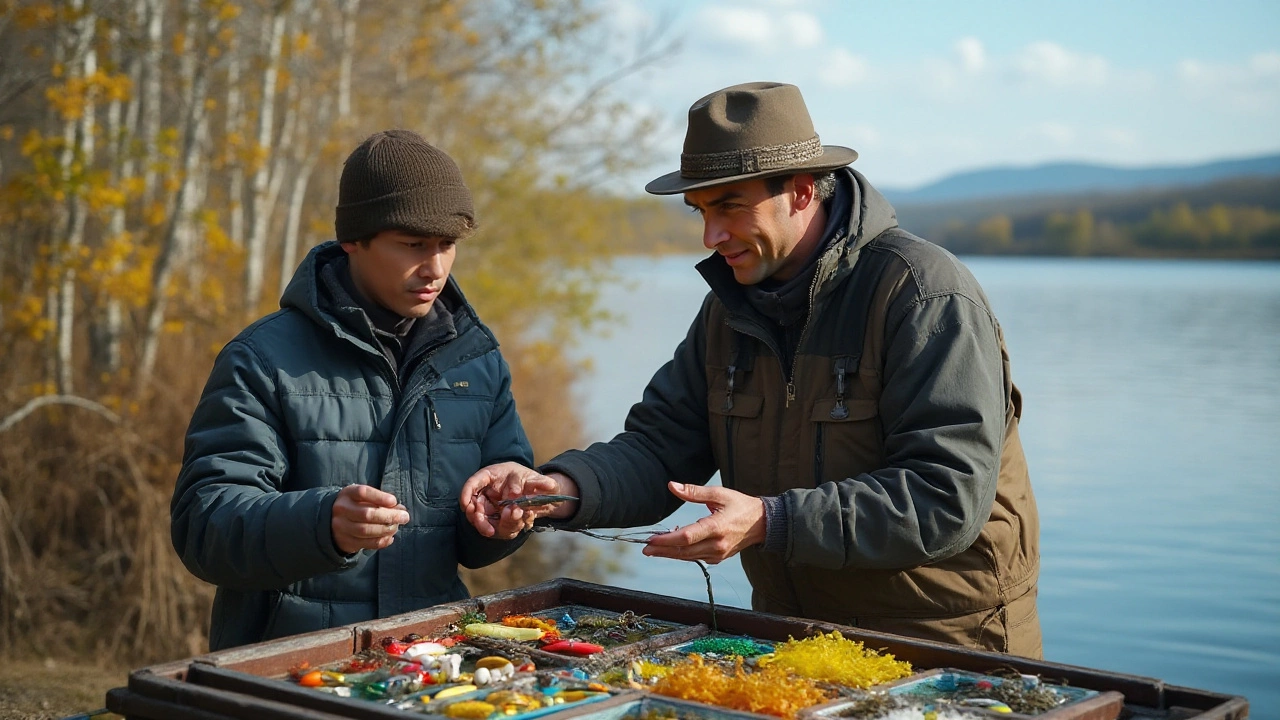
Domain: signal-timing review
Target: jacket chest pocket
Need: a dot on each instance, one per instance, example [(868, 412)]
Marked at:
[(735, 409), (455, 421), (846, 438), (736, 431)]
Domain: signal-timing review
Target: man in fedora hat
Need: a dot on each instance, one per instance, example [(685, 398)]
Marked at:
[(849, 382), (323, 458)]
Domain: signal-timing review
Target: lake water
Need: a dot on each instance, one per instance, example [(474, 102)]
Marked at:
[(1152, 427)]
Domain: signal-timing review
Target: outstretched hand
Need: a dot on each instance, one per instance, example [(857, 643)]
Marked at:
[(736, 522), (482, 495), (365, 518)]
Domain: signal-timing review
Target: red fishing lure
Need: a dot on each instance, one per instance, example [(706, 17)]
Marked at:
[(573, 647)]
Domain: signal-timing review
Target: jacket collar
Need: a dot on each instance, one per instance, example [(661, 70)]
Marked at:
[(303, 293)]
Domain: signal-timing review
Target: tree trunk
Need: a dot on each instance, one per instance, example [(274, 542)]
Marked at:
[(259, 207), (198, 173), (289, 252), (170, 246), (81, 129), (234, 127), (151, 88), (107, 322), (349, 9)]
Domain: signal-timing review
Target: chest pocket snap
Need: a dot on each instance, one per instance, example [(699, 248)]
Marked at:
[(846, 438)]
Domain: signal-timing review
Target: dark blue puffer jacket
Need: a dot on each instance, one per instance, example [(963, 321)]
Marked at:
[(302, 403)]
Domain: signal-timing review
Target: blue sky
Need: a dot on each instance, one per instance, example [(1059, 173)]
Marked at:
[(923, 89)]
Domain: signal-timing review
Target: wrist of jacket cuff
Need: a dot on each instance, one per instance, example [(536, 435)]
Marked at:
[(777, 524)]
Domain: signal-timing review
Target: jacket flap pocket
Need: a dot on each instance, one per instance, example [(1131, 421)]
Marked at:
[(747, 406), (826, 410)]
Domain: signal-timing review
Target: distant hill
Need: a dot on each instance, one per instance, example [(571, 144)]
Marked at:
[(930, 219), (1071, 178), (1236, 218)]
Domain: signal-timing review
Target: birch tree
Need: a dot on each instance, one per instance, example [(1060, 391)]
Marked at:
[(260, 186), (77, 156), (171, 247), (135, 133)]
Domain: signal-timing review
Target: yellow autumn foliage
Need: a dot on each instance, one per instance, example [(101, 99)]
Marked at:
[(94, 219)]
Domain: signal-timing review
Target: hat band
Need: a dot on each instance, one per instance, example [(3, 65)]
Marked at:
[(749, 160)]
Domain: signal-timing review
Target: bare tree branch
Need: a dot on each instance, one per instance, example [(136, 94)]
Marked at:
[(39, 402)]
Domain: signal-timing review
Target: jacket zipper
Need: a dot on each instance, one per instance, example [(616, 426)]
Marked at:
[(730, 380), (431, 408), (804, 333), (727, 480), (817, 456), (410, 398)]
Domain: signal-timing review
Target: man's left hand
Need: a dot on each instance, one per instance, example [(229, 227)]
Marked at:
[(736, 522)]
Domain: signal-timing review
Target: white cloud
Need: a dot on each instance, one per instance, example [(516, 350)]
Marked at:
[(860, 136), (1048, 62), (1260, 69), (762, 28), (1119, 137), (627, 16), (1265, 64), (1193, 71), (973, 55), (842, 69), (1055, 133), (803, 29), (738, 24), (1251, 85)]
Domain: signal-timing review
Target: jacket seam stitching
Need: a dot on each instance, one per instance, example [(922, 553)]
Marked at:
[(919, 295)]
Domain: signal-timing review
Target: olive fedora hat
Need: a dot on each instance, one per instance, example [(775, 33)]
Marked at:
[(754, 130)]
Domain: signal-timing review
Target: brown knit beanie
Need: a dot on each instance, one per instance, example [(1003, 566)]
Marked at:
[(395, 180)]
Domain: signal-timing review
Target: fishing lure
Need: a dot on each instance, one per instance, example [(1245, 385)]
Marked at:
[(573, 647), (502, 632), (470, 710), (535, 500)]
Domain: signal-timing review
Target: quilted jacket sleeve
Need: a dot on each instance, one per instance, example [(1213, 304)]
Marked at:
[(232, 523)]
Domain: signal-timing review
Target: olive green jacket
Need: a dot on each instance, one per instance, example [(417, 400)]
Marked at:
[(892, 440)]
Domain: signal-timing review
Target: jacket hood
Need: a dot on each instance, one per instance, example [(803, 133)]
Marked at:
[(872, 213), (303, 291)]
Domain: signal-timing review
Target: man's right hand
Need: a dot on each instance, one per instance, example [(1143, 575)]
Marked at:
[(482, 493), (365, 518)]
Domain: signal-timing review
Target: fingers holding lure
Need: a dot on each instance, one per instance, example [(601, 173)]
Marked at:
[(535, 500), (528, 502), (517, 515)]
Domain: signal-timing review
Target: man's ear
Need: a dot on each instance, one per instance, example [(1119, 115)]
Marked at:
[(804, 191), (348, 247)]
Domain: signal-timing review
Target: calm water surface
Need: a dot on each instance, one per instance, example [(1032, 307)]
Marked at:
[(1152, 426)]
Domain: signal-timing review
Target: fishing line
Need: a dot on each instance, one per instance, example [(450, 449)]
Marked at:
[(641, 537)]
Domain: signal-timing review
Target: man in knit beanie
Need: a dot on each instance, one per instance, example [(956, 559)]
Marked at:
[(323, 463)]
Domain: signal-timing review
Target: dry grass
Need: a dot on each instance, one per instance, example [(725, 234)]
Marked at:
[(45, 689), (84, 534)]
